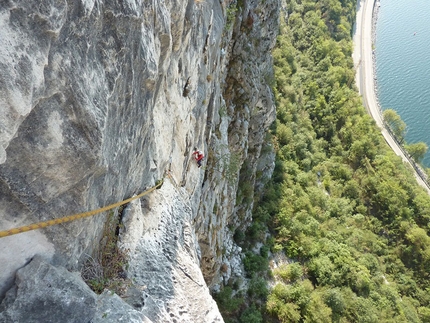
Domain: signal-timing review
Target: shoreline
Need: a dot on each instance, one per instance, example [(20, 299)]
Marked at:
[(376, 6), (364, 35)]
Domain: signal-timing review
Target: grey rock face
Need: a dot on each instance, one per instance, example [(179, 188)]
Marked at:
[(98, 99), (164, 265), (103, 116), (112, 309), (44, 293), (238, 142)]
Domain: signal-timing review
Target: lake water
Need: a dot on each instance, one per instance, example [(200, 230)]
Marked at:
[(402, 49)]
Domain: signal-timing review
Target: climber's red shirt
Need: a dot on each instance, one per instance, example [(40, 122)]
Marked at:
[(198, 155)]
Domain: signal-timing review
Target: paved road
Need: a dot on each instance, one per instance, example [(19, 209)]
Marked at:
[(364, 75)]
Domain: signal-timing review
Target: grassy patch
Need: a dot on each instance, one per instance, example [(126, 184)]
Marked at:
[(106, 270)]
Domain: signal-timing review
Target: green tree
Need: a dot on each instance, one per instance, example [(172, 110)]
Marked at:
[(424, 314), (258, 288), (254, 263), (285, 312), (251, 315), (395, 123), (289, 272), (228, 303), (334, 299), (417, 150), (317, 311)]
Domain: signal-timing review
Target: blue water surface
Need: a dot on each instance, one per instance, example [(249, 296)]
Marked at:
[(402, 49)]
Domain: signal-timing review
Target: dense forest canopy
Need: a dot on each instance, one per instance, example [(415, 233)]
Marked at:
[(345, 210)]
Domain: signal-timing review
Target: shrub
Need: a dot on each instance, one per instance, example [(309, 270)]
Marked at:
[(251, 315), (254, 263), (258, 288), (228, 304), (106, 269), (289, 272)]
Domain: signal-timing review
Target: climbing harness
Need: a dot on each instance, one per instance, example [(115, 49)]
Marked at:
[(73, 217)]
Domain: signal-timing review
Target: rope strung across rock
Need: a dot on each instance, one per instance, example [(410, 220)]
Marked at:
[(73, 217)]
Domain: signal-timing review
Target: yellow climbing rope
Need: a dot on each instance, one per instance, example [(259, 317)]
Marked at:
[(73, 217)]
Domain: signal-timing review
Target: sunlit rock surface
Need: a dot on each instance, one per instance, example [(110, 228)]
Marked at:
[(98, 100)]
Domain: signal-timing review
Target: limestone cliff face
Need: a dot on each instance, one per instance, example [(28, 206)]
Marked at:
[(241, 157), (99, 99)]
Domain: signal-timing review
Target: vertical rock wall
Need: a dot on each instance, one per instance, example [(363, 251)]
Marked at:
[(239, 148), (98, 99)]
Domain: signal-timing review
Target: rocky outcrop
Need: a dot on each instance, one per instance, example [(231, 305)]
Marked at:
[(164, 260), (98, 100), (44, 293)]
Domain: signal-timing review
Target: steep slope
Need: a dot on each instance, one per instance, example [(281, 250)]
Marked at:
[(99, 99)]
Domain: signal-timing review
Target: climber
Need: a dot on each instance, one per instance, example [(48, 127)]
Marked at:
[(198, 156)]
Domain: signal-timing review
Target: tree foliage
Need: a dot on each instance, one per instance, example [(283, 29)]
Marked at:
[(348, 211), (417, 150), (395, 123)]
